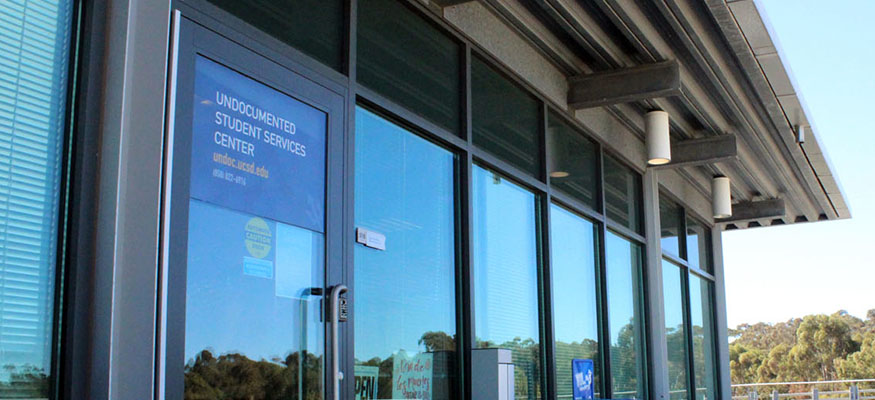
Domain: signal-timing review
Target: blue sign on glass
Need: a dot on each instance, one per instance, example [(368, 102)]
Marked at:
[(255, 149), (581, 379)]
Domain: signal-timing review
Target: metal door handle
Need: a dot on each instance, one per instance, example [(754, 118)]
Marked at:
[(334, 320)]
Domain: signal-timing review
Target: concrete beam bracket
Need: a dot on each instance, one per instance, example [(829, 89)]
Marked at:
[(703, 151), (764, 209), (662, 79)]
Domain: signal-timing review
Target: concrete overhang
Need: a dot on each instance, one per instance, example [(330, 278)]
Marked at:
[(732, 81), (782, 99)]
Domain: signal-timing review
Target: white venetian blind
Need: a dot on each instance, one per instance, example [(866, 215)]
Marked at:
[(34, 53)]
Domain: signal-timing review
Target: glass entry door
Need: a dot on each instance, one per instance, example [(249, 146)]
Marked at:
[(249, 227)]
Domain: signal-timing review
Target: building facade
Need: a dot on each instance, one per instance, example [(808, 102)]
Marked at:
[(385, 199)]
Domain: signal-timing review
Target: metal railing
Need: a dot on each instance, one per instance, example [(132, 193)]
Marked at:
[(818, 390)]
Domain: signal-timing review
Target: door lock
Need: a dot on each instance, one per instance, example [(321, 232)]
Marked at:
[(343, 310), (339, 313)]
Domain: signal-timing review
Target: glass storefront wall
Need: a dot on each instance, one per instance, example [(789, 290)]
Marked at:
[(514, 128), (526, 157), (687, 296), (408, 306), (34, 55)]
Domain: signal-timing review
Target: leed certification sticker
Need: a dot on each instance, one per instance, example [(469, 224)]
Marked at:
[(258, 237)]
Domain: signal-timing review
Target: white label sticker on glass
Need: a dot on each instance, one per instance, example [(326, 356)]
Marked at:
[(370, 239)]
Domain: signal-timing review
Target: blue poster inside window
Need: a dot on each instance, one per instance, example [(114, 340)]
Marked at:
[(255, 149), (582, 379)]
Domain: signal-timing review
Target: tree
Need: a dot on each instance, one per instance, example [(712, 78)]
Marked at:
[(821, 340), (861, 364), (744, 362), (763, 336), (777, 366)]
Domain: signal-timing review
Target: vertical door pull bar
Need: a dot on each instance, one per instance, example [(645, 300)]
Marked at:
[(334, 320)]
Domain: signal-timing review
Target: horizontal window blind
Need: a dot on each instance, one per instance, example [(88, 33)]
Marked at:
[(34, 50)]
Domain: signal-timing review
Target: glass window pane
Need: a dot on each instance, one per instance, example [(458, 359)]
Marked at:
[(404, 295), (573, 164), (698, 245), (506, 119), (701, 317), (506, 276), (316, 27), (676, 341), (251, 307), (575, 306), (36, 43), (411, 62), (625, 303), (622, 194), (670, 226)]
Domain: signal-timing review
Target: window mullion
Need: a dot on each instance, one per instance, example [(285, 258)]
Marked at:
[(604, 331), (688, 330)]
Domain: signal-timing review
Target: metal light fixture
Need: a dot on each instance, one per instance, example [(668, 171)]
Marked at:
[(721, 199), (657, 138), (557, 167), (800, 134)]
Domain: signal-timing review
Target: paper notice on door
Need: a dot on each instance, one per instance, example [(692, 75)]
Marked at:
[(294, 261)]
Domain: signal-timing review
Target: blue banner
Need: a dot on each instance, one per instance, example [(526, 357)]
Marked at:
[(257, 150), (582, 379)]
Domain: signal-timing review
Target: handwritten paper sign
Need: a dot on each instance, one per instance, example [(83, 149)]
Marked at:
[(412, 376)]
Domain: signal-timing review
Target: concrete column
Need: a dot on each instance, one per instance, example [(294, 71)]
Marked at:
[(654, 304), (129, 187), (721, 335)]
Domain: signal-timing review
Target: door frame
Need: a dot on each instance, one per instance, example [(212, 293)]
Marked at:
[(190, 38)]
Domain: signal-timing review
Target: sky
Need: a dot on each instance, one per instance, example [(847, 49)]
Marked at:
[(777, 273)]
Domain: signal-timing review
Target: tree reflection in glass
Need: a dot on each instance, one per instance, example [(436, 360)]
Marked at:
[(673, 298), (574, 243), (252, 307), (625, 297)]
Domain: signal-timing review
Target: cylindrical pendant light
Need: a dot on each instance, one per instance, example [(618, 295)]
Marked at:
[(657, 138), (721, 199), (556, 161)]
